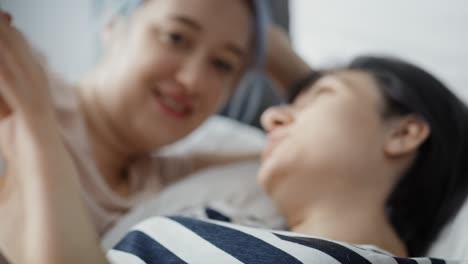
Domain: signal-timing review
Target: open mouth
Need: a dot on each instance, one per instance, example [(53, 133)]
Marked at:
[(173, 106)]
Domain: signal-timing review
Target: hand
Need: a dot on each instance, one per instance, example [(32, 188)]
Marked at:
[(19, 73), (202, 161), (23, 81), (42, 216)]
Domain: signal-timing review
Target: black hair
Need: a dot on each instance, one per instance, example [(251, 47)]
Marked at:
[(434, 188)]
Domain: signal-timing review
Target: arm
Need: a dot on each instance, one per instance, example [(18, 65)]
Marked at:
[(173, 168), (284, 65), (202, 161), (41, 183)]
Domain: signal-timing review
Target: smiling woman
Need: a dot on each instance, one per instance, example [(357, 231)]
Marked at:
[(152, 87), (166, 67)]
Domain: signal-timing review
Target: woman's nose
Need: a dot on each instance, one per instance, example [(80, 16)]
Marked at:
[(275, 117), (191, 75)]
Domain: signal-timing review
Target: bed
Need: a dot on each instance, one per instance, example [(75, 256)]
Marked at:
[(236, 185)]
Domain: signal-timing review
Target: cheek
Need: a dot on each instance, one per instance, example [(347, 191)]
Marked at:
[(281, 163), (320, 144), (155, 65), (214, 95), (343, 139), (146, 57)]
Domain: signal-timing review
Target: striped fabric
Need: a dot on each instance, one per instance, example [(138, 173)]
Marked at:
[(188, 240)]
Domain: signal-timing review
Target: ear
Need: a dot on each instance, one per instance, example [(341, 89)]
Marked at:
[(406, 135)]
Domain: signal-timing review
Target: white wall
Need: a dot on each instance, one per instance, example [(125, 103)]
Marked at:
[(62, 29), (432, 33)]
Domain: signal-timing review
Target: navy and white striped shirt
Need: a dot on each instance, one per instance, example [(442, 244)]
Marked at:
[(188, 240)]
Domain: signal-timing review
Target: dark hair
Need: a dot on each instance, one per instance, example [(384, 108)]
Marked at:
[(435, 186)]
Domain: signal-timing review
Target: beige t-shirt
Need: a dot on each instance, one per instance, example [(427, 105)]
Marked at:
[(147, 176)]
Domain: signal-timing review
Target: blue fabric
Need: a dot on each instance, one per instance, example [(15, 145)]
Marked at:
[(334, 250), (262, 21), (215, 215), (245, 246), (127, 7), (147, 249), (242, 246)]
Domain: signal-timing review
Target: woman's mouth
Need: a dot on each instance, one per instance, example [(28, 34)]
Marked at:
[(174, 106)]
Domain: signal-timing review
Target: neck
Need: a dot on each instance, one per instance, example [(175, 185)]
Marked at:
[(110, 149), (343, 205), (349, 221)]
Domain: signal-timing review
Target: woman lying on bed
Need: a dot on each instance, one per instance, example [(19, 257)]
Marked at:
[(369, 154), (168, 65)]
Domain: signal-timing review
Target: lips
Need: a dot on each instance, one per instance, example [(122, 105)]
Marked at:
[(175, 106)]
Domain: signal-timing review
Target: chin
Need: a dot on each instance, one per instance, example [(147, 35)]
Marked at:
[(276, 166), (269, 173)]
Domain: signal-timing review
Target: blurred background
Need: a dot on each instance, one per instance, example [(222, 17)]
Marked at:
[(432, 33)]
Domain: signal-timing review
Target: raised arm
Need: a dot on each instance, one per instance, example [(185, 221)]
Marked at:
[(42, 218), (284, 65)]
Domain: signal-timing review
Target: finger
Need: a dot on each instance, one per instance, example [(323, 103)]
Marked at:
[(8, 75), (5, 17), (27, 57), (12, 37), (4, 30), (21, 53)]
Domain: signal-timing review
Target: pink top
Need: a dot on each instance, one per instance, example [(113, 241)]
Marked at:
[(146, 176)]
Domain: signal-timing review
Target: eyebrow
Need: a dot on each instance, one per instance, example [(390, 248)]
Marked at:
[(197, 27), (235, 49), (188, 22), (345, 81)]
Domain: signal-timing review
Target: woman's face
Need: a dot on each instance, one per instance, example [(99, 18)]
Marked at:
[(173, 65), (333, 128)]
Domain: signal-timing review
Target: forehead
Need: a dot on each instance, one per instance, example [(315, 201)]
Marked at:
[(357, 84), (219, 20)]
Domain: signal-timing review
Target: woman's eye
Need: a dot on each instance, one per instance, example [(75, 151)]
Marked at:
[(308, 97), (322, 90), (176, 39), (223, 66)]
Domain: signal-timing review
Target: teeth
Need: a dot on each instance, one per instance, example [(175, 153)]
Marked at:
[(172, 103)]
